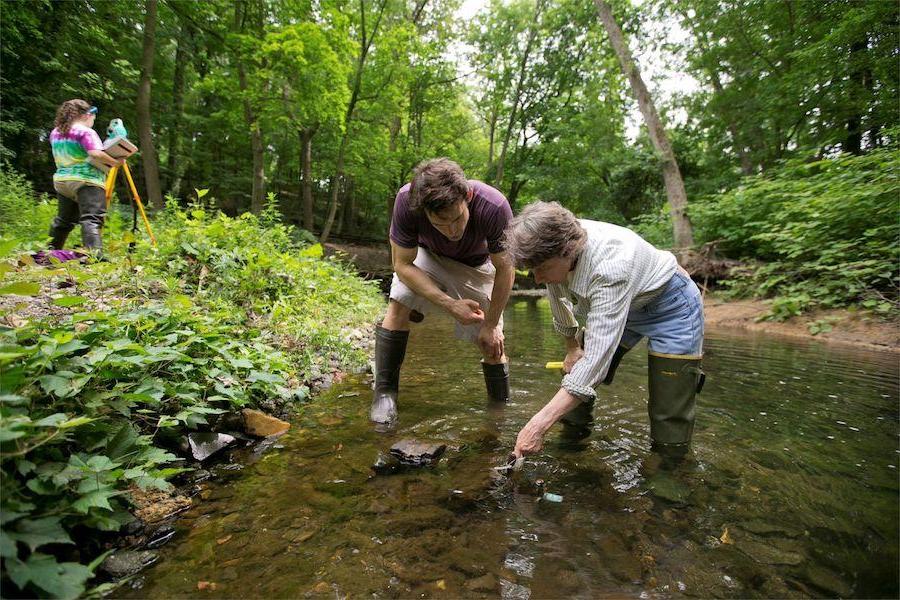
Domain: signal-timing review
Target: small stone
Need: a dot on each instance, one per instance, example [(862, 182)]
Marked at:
[(486, 583), (385, 463), (417, 454), (161, 536), (128, 562), (203, 445), (262, 425)]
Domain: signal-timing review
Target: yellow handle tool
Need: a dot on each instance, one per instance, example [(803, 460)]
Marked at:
[(554, 365)]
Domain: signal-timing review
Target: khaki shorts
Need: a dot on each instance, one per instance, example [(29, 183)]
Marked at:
[(457, 280), (69, 188)]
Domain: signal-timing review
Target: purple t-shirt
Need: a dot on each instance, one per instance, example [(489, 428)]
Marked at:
[(489, 212)]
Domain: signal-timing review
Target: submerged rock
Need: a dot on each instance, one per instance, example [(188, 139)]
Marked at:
[(203, 445), (385, 464), (128, 562), (413, 453), (262, 425), (486, 583)]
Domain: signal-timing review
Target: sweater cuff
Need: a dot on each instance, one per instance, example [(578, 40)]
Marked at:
[(565, 330), (582, 392)]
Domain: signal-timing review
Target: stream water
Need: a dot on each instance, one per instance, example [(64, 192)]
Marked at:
[(791, 490)]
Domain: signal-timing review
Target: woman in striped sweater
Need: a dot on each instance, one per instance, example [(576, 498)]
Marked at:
[(624, 289)]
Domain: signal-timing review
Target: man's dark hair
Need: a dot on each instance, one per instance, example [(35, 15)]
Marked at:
[(437, 184)]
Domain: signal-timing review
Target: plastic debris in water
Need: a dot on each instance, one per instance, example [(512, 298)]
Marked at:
[(549, 497)]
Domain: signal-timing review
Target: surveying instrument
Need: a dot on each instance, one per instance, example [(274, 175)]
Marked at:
[(118, 146)]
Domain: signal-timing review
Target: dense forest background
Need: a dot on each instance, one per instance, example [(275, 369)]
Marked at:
[(787, 145), (248, 97)]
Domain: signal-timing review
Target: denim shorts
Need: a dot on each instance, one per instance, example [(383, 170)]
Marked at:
[(672, 321)]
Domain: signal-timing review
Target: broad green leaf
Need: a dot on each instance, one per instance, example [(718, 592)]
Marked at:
[(37, 532), (60, 387), (7, 545), (75, 422), (69, 301), (60, 580), (314, 251), (11, 351), (22, 288), (52, 421), (98, 498)]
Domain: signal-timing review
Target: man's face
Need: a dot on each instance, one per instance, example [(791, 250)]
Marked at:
[(451, 221), (552, 270)]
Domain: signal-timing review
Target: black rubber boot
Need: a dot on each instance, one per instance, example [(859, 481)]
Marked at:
[(674, 383), (576, 424), (92, 201), (65, 220), (390, 350), (496, 380)]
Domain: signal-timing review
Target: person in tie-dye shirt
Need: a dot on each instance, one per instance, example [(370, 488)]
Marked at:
[(79, 185)]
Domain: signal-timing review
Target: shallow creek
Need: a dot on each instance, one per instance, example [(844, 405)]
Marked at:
[(791, 489)]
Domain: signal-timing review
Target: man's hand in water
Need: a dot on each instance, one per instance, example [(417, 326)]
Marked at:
[(490, 341), (467, 312)]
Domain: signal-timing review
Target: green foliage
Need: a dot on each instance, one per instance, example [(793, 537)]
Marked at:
[(24, 215), (825, 229), (226, 313)]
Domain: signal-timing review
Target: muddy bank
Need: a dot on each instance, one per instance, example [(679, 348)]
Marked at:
[(856, 328)]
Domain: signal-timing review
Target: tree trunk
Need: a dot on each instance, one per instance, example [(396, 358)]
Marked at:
[(175, 165), (144, 122), (681, 224), (517, 96), (861, 76), (306, 177), (365, 44), (258, 193)]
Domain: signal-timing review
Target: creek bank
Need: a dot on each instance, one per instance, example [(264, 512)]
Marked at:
[(857, 328), (235, 438)]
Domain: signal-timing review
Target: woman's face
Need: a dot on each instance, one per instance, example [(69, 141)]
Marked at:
[(553, 270)]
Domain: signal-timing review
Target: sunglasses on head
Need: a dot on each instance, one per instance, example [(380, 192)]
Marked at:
[(92, 110)]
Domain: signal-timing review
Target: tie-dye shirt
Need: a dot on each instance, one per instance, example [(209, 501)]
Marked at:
[(70, 152)]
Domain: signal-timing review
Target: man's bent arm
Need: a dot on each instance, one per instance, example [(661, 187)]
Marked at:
[(415, 278), (503, 282)]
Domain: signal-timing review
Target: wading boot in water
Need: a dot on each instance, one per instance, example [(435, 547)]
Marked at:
[(496, 380), (674, 383), (576, 424), (390, 350)]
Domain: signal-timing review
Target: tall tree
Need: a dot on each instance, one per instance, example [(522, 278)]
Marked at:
[(681, 224), (246, 19), (366, 38), (144, 121)]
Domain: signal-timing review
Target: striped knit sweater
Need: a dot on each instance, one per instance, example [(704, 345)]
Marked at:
[(617, 271)]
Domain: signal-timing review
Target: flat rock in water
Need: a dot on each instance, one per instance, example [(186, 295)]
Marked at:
[(260, 424), (203, 445), (769, 554), (128, 562), (486, 583), (417, 454)]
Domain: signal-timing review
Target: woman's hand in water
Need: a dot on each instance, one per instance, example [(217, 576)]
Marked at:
[(531, 439)]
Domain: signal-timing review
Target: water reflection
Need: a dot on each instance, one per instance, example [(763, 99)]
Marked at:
[(791, 490)]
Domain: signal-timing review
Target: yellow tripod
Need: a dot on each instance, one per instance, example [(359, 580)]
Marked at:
[(110, 186)]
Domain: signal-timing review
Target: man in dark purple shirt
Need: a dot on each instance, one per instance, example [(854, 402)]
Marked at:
[(447, 251)]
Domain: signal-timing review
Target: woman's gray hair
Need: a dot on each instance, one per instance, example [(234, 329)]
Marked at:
[(543, 230)]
